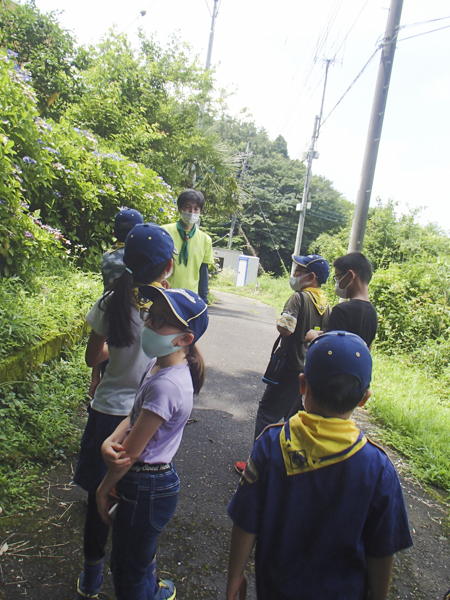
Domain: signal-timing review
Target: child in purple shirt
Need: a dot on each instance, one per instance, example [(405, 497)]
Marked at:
[(140, 451)]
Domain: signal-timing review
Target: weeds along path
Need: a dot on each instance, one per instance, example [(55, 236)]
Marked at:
[(40, 551)]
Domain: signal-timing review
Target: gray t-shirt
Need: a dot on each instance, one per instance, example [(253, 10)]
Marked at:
[(116, 392)]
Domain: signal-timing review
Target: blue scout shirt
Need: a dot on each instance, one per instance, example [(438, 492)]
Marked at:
[(320, 497)]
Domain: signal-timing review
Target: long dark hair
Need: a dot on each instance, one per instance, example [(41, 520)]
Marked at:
[(196, 367), (118, 297)]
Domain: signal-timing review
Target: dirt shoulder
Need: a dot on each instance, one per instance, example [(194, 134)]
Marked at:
[(40, 551)]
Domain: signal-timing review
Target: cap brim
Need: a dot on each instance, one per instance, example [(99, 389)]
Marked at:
[(152, 292), (299, 260)]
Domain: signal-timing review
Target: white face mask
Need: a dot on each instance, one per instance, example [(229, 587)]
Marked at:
[(189, 218), (342, 292), (155, 345), (297, 283)]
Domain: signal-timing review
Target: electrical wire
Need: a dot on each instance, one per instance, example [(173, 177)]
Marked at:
[(350, 86), (424, 33)]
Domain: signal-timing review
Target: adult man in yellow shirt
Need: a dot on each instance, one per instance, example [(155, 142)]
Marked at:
[(194, 247)]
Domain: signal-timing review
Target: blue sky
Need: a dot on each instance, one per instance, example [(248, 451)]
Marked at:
[(271, 55)]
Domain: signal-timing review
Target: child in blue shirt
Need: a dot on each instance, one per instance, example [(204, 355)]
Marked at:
[(322, 502)]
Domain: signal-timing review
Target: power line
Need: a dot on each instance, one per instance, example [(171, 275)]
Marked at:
[(424, 33), (351, 85)]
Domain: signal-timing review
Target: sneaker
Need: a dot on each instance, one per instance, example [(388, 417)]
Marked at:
[(447, 595), (82, 593), (240, 466), (166, 590)]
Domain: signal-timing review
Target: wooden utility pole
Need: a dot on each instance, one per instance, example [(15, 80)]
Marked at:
[(375, 127)]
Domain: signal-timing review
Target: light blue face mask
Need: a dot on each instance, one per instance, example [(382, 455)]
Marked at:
[(155, 345)]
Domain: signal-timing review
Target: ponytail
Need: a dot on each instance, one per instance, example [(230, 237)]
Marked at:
[(116, 302), (196, 367), (118, 298)]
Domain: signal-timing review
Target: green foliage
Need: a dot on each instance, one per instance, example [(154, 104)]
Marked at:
[(47, 302), (47, 51), (64, 177), (146, 104), (415, 412), (24, 241), (273, 185), (271, 290), (38, 425)]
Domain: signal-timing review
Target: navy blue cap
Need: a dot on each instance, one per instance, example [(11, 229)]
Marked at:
[(314, 263), (128, 216), (338, 353), (187, 306), (150, 240)]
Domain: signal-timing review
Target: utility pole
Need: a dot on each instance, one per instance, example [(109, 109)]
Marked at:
[(208, 56), (211, 35), (311, 155), (375, 127), (234, 217)]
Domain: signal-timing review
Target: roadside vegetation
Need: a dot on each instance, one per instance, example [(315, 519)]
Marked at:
[(87, 130), (410, 290)]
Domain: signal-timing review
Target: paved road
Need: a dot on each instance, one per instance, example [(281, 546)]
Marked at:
[(236, 348), (194, 549)]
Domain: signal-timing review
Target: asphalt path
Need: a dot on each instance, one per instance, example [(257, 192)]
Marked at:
[(44, 553), (236, 349)]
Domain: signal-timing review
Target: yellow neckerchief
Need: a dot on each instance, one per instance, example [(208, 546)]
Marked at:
[(318, 297), (117, 246), (311, 442), (138, 300)]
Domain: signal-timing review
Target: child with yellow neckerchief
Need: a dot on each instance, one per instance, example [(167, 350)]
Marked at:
[(306, 309), (322, 502)]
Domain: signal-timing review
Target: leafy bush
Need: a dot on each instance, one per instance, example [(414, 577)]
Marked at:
[(46, 303), (38, 425), (24, 241), (412, 303), (65, 177)]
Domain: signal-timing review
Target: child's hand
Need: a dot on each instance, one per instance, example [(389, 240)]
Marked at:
[(103, 505), (115, 456), (237, 588), (94, 382), (312, 335)]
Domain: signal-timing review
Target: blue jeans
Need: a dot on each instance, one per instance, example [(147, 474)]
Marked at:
[(147, 503)]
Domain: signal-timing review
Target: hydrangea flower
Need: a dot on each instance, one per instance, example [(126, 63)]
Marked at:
[(29, 235), (29, 161), (12, 53)]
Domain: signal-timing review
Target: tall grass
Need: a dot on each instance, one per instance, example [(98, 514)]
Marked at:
[(39, 424), (415, 416), (47, 303), (270, 290)]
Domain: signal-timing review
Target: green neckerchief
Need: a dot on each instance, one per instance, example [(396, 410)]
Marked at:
[(185, 236)]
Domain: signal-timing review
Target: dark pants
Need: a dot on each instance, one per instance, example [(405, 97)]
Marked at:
[(91, 469), (147, 503), (203, 282), (277, 401)]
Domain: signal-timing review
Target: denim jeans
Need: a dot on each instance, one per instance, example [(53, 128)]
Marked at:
[(147, 503)]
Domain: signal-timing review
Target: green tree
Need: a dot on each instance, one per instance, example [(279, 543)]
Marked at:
[(273, 185), (47, 51), (146, 103)]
